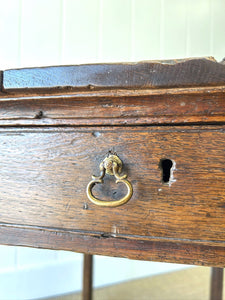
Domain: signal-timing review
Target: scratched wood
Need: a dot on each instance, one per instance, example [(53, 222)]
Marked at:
[(152, 74), (169, 92), (48, 170), (164, 251), (190, 105), (47, 159)]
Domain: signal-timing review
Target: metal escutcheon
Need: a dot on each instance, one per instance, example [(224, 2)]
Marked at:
[(111, 165)]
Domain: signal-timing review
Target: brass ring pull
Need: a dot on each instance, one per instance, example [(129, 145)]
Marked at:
[(111, 165)]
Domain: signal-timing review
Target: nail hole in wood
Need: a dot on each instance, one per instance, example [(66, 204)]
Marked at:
[(39, 115), (166, 166), (96, 134), (85, 206)]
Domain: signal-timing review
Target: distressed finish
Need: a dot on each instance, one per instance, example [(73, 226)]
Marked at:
[(49, 170), (190, 91), (155, 74), (58, 124), (115, 107)]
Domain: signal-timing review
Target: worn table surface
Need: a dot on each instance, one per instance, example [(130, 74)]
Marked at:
[(58, 123)]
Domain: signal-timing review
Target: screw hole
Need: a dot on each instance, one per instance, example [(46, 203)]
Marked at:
[(166, 165)]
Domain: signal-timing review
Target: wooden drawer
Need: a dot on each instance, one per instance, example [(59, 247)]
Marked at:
[(57, 124), (44, 174)]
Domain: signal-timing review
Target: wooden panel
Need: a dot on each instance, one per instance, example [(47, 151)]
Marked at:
[(115, 30), (186, 253), (44, 174), (184, 73), (174, 106), (218, 28), (58, 40), (198, 27), (80, 31), (10, 15), (145, 29), (40, 32), (174, 29)]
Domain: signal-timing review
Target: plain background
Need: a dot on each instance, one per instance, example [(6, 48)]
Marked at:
[(53, 32)]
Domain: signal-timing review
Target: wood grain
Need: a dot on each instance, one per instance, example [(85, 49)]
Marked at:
[(185, 253), (49, 170), (169, 92), (175, 106), (56, 126), (155, 74)]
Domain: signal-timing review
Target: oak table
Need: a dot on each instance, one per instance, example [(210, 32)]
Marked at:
[(155, 128)]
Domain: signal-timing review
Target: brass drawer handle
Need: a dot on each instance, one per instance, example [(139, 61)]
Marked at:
[(111, 165)]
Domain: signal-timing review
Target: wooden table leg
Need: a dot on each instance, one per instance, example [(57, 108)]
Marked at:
[(87, 276), (216, 292)]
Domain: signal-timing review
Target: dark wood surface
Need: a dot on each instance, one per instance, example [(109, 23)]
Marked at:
[(216, 292), (57, 124), (50, 168), (137, 107), (87, 277), (103, 244), (172, 92), (152, 74)]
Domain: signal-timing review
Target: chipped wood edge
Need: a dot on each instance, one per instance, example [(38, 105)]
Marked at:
[(141, 75)]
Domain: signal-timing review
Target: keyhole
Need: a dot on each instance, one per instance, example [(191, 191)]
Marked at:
[(166, 165)]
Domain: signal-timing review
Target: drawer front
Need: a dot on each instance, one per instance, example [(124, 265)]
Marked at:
[(44, 174)]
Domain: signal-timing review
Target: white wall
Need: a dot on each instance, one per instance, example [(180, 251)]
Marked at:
[(52, 32)]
